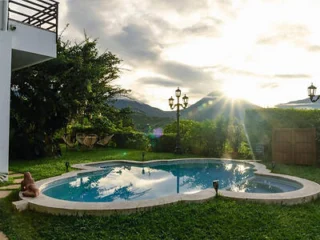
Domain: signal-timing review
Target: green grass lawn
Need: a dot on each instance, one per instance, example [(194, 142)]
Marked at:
[(216, 219)]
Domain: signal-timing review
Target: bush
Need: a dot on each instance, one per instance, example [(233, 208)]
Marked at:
[(131, 140), (206, 138), (164, 143), (245, 151)]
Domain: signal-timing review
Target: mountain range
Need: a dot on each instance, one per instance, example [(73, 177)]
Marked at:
[(209, 107), (140, 107), (300, 104), (216, 104)]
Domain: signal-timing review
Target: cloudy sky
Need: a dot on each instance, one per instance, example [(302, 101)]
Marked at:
[(265, 51)]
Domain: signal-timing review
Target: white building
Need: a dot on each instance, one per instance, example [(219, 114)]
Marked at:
[(28, 36)]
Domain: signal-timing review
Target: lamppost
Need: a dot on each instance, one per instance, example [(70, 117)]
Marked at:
[(178, 105), (312, 93)]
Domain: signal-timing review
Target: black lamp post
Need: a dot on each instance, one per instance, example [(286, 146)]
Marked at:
[(312, 93), (178, 105)]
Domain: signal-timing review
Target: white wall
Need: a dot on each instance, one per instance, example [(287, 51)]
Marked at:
[(3, 14), (32, 39), (5, 79), (30, 44)]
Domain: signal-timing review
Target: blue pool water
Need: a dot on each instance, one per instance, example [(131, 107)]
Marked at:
[(126, 182), (264, 184)]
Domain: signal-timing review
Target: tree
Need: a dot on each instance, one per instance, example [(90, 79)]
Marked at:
[(235, 134), (46, 97), (185, 127), (207, 137)]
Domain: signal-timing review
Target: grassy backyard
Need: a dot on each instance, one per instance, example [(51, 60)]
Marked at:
[(216, 219)]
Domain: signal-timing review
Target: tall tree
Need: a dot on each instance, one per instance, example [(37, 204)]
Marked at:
[(45, 97)]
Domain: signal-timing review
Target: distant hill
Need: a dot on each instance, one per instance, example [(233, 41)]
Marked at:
[(209, 107), (144, 123), (300, 104), (140, 107), (216, 104), (145, 117)]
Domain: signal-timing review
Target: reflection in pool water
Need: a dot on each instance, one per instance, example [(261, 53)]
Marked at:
[(263, 184), (125, 182)]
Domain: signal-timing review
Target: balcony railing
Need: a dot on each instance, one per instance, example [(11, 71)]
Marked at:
[(38, 13)]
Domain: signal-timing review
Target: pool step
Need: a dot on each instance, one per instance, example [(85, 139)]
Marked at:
[(20, 205), (16, 175), (6, 190), (10, 187), (4, 194)]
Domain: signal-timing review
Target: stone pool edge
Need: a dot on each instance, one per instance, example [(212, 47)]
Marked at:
[(45, 204)]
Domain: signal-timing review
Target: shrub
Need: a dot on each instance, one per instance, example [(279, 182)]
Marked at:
[(245, 151), (133, 140), (207, 138), (164, 143)]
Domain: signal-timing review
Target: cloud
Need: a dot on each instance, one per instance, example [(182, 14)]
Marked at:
[(237, 72), (182, 72), (199, 45), (80, 15), (200, 29), (292, 76), (137, 44), (295, 33), (185, 6), (269, 85), (241, 72), (185, 76), (159, 81), (209, 26), (314, 48), (125, 33), (138, 34)]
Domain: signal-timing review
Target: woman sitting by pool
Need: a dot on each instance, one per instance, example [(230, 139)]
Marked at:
[(28, 186)]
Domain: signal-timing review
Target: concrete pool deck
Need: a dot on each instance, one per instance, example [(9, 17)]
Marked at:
[(309, 191)]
